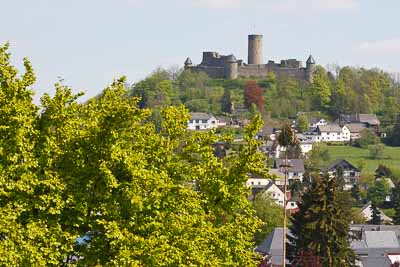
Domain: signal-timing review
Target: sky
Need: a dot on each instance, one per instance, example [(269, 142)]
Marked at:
[(88, 43)]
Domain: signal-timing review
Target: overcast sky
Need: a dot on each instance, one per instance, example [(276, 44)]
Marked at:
[(90, 42)]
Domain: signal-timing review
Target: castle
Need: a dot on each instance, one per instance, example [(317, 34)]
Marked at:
[(228, 67)]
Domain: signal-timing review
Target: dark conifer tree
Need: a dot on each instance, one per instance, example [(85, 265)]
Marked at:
[(376, 215), (321, 227), (396, 204)]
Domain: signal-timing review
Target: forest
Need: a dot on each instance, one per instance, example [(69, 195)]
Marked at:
[(346, 90)]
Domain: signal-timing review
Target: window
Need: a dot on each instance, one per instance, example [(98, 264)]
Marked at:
[(252, 183), (197, 121), (204, 121), (259, 183)]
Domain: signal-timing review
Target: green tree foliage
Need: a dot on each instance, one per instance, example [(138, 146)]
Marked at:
[(226, 101), (155, 90), (376, 215), (355, 193), (396, 204), (383, 171), (320, 90), (318, 157), (378, 192), (101, 170), (394, 136), (376, 151), (368, 137), (322, 225), (287, 136), (294, 151), (270, 213), (302, 124)]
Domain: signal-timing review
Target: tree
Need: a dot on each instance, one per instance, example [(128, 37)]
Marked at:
[(294, 151), (270, 213), (296, 187), (378, 192), (394, 137), (253, 94), (376, 215), (396, 204), (321, 227), (226, 101), (383, 171), (302, 123), (320, 89), (376, 151), (318, 157), (355, 192), (100, 170), (368, 137)]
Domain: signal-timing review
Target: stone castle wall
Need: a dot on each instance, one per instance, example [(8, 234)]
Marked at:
[(228, 67)]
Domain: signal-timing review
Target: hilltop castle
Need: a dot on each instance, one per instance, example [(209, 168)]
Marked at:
[(228, 67)]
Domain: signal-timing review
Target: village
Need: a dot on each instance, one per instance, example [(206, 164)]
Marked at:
[(374, 244)]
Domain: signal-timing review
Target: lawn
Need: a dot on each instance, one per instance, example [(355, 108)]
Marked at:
[(360, 157)]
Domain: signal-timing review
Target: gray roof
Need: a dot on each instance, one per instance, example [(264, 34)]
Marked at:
[(231, 58), (330, 128), (297, 165), (336, 163), (372, 249), (188, 61), (272, 246), (355, 127), (266, 131), (369, 118), (200, 116), (381, 239), (310, 60)]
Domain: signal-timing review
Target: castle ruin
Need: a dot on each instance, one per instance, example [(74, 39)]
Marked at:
[(228, 67)]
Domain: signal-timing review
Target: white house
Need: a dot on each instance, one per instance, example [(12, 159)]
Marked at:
[(305, 143), (292, 203), (367, 213), (355, 129), (251, 182), (202, 121), (333, 133), (295, 168), (306, 146), (275, 193), (315, 122)]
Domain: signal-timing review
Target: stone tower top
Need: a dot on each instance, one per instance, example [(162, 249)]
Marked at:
[(188, 62), (255, 52), (310, 60)]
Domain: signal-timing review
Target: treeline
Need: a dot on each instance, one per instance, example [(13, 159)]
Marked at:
[(348, 90)]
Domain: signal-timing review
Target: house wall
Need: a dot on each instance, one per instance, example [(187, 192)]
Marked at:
[(276, 194), (202, 125), (257, 181)]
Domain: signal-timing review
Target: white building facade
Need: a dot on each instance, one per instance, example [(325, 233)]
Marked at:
[(202, 121)]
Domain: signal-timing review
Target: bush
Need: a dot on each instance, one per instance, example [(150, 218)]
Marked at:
[(376, 151), (367, 138)]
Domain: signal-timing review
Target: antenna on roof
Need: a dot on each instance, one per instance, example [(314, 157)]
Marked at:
[(252, 28)]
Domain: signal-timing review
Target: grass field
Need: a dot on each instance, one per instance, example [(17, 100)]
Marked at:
[(360, 157)]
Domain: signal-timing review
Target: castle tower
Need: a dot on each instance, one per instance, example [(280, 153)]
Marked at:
[(188, 63), (231, 68), (255, 55), (310, 68)]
